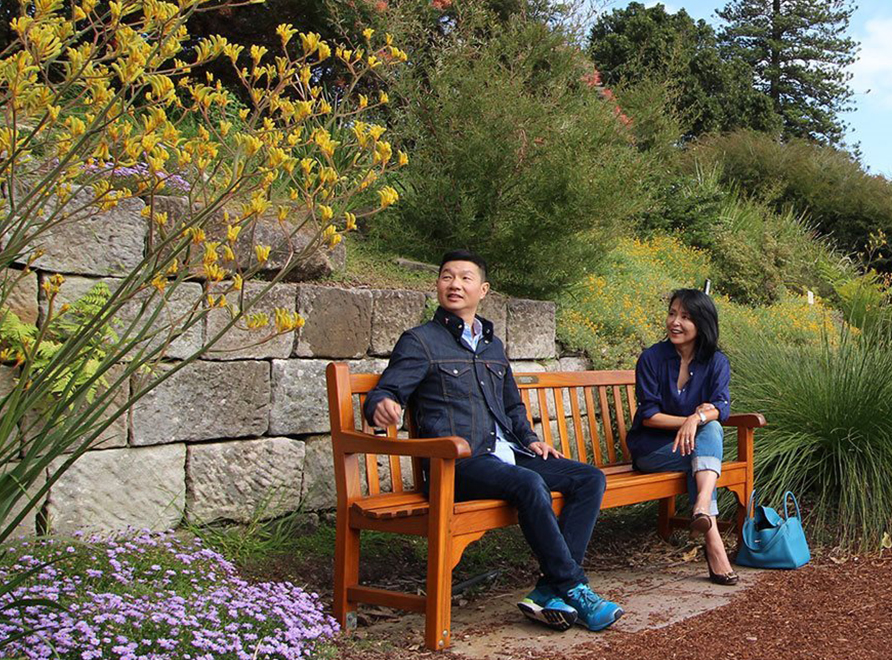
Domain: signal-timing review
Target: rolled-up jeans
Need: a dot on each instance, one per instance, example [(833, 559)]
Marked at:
[(707, 455)]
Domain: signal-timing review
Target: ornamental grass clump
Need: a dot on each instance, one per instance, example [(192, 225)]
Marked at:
[(829, 433), (153, 596)]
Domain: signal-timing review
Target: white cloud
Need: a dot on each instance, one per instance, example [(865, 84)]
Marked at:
[(873, 70)]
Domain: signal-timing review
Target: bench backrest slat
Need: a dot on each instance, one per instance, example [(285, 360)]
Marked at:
[(593, 426), (581, 453), (586, 415), (525, 397)]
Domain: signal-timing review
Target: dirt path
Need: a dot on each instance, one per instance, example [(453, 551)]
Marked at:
[(823, 611)]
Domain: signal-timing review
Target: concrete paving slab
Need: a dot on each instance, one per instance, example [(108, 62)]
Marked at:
[(652, 597)]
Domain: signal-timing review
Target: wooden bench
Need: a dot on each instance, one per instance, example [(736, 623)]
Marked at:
[(584, 414)]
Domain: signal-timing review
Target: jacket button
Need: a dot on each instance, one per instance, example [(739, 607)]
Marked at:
[(455, 371), (492, 432), (481, 382)]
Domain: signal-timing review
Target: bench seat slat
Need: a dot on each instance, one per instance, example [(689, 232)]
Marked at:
[(405, 505)]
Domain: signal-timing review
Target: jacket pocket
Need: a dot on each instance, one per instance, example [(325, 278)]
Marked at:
[(456, 378), (497, 372)]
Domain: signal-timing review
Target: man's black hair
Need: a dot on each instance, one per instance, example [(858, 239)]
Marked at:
[(703, 313), (465, 255)]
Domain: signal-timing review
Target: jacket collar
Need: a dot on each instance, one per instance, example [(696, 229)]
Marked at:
[(455, 325)]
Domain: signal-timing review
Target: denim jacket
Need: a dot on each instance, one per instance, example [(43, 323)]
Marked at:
[(452, 390)]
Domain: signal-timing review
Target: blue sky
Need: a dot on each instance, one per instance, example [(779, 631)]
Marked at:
[(872, 26)]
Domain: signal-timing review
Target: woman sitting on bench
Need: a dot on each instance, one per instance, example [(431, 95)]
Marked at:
[(681, 385)]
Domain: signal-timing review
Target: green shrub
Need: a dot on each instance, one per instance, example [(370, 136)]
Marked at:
[(829, 437), (840, 199), (619, 311), (759, 252), (514, 156)]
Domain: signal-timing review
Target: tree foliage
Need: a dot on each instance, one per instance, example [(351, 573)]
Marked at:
[(712, 93), (837, 196), (514, 155), (800, 55)]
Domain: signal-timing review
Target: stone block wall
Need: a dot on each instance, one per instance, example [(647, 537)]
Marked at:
[(243, 431)]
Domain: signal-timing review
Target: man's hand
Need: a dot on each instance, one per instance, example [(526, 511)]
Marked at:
[(684, 439), (705, 408), (387, 412), (544, 450)]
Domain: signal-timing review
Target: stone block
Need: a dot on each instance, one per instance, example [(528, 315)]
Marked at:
[(28, 526), (495, 308), (297, 248), (338, 322), (243, 480), (179, 305), (8, 377), (203, 401), (21, 293), (574, 363), (241, 343), (299, 394), (318, 260), (94, 242), (393, 312), (116, 433), (318, 490), (531, 328), (114, 489)]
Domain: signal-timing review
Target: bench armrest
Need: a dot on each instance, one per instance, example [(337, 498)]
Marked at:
[(746, 420), (354, 442), (745, 424)]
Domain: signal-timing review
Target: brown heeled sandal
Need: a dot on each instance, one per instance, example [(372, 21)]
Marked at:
[(724, 579), (701, 522)]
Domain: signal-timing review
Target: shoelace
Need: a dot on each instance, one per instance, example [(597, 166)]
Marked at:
[(586, 595)]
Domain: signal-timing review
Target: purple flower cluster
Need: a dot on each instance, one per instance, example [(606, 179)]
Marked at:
[(174, 183), (153, 597)]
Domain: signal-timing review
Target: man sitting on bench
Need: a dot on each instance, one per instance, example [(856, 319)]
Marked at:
[(457, 376)]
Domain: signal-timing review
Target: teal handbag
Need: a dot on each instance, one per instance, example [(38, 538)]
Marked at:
[(772, 541)]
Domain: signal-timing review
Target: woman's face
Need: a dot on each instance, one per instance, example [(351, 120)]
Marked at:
[(679, 325)]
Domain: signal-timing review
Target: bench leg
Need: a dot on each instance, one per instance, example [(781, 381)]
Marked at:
[(346, 571), (438, 609), (664, 522), (742, 495)]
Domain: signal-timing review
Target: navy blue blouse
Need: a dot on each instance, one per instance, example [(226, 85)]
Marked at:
[(656, 390)]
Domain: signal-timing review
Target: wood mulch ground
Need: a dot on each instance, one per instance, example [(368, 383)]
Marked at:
[(827, 610)]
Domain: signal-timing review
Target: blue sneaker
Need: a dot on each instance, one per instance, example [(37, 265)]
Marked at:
[(544, 606), (593, 612)]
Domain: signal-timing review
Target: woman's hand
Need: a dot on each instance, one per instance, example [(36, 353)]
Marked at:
[(544, 450), (684, 439)]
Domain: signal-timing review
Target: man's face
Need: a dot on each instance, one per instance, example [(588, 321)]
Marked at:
[(460, 287)]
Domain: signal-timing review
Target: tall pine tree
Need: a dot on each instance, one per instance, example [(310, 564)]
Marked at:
[(800, 53)]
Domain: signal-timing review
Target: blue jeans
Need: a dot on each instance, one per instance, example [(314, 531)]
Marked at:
[(707, 455), (558, 543)]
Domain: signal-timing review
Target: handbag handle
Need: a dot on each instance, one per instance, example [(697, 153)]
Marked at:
[(787, 496), (751, 505)]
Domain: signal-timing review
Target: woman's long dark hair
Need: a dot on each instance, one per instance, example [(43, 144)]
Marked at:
[(706, 319)]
